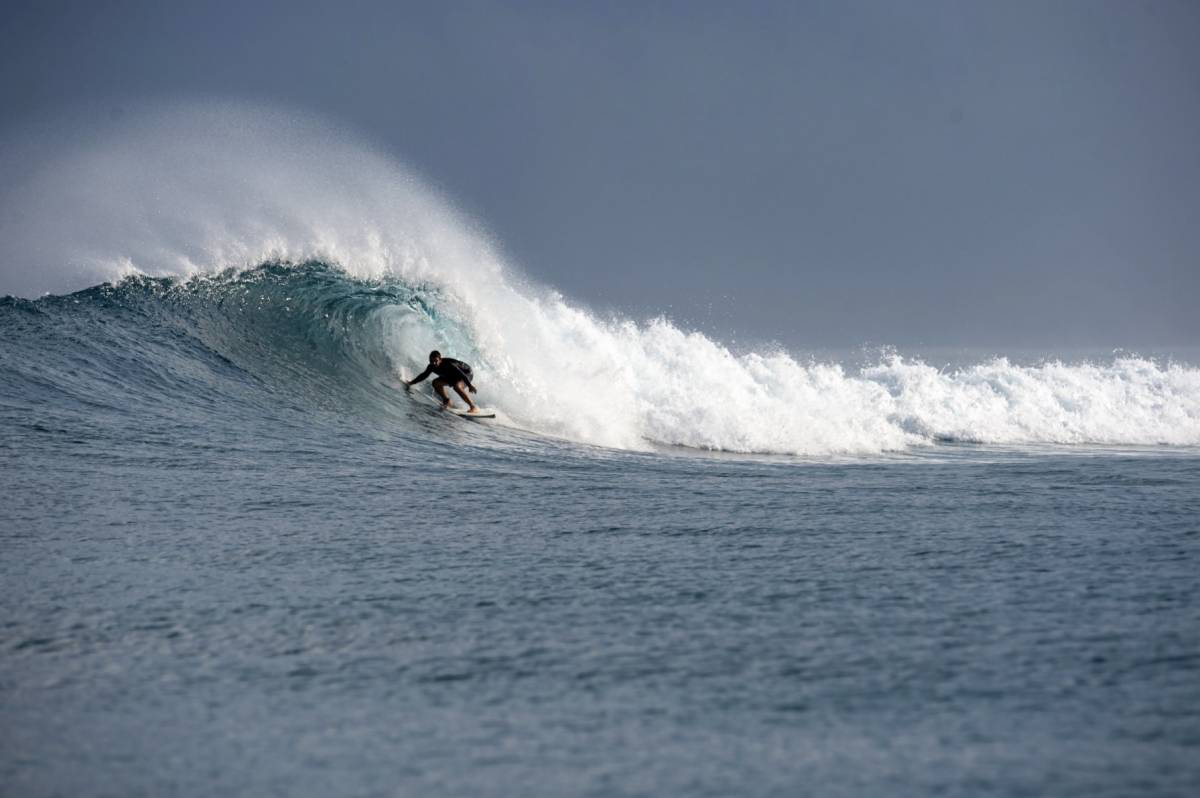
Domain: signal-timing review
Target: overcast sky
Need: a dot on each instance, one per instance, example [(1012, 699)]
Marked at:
[(828, 174)]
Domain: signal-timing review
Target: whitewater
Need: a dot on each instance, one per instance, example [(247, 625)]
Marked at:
[(238, 558)]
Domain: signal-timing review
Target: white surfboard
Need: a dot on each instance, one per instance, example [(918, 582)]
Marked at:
[(465, 413)]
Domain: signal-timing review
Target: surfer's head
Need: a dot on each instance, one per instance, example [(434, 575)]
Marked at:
[(435, 357)]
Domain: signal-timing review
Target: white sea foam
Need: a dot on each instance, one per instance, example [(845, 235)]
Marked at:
[(621, 384), (198, 189)]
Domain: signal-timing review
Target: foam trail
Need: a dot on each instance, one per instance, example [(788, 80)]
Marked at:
[(628, 384), (197, 189)]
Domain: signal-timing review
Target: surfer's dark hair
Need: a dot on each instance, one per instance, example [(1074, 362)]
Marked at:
[(434, 354)]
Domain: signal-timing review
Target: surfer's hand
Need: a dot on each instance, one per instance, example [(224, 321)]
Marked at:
[(472, 388)]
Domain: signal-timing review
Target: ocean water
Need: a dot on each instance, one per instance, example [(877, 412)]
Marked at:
[(238, 559)]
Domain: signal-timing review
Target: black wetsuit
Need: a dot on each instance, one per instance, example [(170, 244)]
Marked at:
[(451, 370)]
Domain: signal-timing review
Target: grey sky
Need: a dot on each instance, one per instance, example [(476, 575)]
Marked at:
[(823, 174)]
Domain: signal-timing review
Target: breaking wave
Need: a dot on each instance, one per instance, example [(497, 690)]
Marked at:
[(299, 256)]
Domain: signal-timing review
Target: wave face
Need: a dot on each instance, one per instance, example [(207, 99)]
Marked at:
[(235, 256)]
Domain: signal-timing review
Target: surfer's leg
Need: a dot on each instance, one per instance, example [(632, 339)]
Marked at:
[(439, 387), (461, 389)]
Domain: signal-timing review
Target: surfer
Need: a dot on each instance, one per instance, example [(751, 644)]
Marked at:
[(450, 372)]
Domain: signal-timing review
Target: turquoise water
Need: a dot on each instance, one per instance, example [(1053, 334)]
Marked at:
[(236, 560)]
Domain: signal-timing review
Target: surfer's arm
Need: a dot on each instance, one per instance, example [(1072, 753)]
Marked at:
[(419, 377)]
